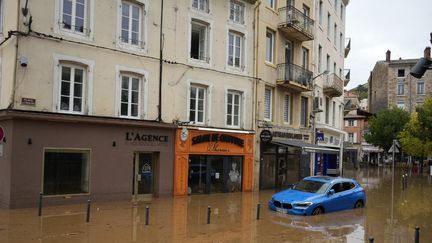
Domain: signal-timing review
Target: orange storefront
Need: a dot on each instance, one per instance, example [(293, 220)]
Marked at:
[(211, 161)]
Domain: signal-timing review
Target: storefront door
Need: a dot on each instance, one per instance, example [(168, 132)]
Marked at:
[(144, 173)]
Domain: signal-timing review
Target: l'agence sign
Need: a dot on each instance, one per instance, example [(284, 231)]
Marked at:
[(216, 137), (146, 139)]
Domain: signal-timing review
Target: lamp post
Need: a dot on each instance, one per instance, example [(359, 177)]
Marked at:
[(313, 100)]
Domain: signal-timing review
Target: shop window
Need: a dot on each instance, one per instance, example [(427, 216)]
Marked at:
[(66, 172)]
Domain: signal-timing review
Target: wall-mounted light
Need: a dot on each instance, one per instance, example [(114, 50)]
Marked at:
[(114, 143), (29, 141)]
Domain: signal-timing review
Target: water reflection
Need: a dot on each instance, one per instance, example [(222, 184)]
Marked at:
[(233, 218)]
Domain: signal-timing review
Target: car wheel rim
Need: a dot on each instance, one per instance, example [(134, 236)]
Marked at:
[(358, 205), (317, 211)]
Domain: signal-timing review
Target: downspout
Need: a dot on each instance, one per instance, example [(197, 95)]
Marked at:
[(12, 101), (160, 64), (256, 73)]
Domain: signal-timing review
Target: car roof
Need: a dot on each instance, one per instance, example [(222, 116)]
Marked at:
[(329, 179)]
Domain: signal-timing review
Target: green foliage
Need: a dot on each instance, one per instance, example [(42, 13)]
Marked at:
[(416, 138), (361, 91), (386, 126)]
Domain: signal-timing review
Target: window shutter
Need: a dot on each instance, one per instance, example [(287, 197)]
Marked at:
[(355, 123), (355, 138), (346, 123)]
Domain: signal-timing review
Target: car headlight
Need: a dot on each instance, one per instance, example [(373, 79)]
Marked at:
[(302, 204)]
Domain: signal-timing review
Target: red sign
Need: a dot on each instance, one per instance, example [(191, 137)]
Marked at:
[(1, 133)]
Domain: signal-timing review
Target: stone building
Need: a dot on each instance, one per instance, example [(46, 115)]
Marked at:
[(390, 84)]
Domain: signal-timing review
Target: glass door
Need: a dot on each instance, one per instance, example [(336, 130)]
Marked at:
[(217, 173), (144, 170)]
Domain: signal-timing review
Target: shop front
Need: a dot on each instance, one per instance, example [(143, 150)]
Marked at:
[(71, 158), (212, 161), (327, 159)]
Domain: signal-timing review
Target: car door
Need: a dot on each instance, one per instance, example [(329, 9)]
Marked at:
[(348, 195), (335, 201)]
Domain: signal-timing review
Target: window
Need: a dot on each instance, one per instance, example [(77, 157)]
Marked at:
[(342, 12), (131, 24), (66, 172), (201, 5), (341, 44), (334, 114), (197, 104), (199, 48), (335, 5), (334, 67), (287, 109), (351, 123), (420, 87), (130, 96), (305, 58), (306, 10), (1, 17), (328, 63), (352, 137), (268, 93), (237, 12), (72, 88), (319, 58), (271, 3), (320, 12), (400, 104), (235, 50), (269, 46), (233, 108), (400, 87), (327, 110), (328, 25), (74, 16), (401, 73), (304, 112), (335, 35)]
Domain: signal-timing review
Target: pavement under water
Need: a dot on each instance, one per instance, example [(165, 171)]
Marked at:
[(387, 217)]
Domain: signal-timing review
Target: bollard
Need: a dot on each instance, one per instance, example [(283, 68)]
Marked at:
[(406, 181), (147, 215), (403, 182), (371, 239), (40, 203), (258, 211), (417, 235), (208, 214), (88, 211)]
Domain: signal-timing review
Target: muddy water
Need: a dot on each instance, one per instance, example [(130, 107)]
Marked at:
[(233, 218)]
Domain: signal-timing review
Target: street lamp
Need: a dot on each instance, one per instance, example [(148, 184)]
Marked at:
[(314, 111), (423, 63)]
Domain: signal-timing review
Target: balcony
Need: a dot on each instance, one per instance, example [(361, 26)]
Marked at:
[(251, 1), (333, 86), (295, 25), (347, 74), (348, 46), (294, 77)]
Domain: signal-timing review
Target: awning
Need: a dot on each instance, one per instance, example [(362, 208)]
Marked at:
[(307, 147)]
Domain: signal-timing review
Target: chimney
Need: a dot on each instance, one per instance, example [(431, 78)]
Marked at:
[(427, 53), (388, 54)]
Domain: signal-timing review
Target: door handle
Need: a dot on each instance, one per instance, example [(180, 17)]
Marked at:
[(139, 177)]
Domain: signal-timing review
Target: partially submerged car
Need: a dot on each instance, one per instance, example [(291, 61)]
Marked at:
[(319, 194)]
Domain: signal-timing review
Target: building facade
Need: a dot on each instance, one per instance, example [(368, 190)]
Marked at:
[(391, 85)]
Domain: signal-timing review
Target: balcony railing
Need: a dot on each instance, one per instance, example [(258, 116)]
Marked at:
[(251, 1), (348, 46), (294, 77), (347, 75), (333, 86), (295, 24)]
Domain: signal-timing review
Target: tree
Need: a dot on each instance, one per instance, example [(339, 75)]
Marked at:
[(386, 126)]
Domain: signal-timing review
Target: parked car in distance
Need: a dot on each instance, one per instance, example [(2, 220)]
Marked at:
[(319, 194)]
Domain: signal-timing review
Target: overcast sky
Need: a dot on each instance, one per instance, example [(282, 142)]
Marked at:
[(375, 26)]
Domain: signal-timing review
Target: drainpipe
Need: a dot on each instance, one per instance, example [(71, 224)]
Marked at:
[(160, 64), (256, 73), (12, 98)]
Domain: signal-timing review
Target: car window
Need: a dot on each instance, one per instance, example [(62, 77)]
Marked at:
[(348, 186), (311, 186), (338, 187)]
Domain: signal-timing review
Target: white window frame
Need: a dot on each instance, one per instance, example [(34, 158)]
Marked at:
[(287, 108), (207, 101), (400, 104), (88, 66), (422, 89), (200, 7), (335, 35), (328, 25), (351, 137), (88, 21), (320, 12), (240, 36), (237, 12), (272, 3), (320, 51), (1, 19), (206, 60), (307, 112), (400, 87), (142, 36), (143, 95), (269, 105), (240, 108), (269, 57)]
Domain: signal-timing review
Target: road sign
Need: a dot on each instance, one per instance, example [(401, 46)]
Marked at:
[(394, 148)]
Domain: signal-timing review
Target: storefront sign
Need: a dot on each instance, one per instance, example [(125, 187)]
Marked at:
[(146, 139), (266, 136), (289, 135), (216, 137), (28, 101), (320, 136)]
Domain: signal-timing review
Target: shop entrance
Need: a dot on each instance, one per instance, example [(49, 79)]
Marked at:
[(144, 168), (210, 174)]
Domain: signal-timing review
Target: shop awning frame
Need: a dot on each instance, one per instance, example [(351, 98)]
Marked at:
[(307, 147)]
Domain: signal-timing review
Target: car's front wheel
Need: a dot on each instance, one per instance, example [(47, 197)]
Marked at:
[(359, 204), (318, 210)]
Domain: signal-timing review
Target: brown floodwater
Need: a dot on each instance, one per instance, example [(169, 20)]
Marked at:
[(386, 217)]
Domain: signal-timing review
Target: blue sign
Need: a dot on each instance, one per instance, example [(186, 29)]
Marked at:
[(320, 136)]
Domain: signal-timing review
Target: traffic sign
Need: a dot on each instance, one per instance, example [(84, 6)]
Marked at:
[(394, 148)]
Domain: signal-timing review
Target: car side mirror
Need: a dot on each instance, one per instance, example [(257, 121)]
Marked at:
[(331, 192)]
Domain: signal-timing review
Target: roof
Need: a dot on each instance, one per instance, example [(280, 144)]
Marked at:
[(327, 178)]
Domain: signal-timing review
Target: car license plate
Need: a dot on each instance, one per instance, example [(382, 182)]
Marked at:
[(281, 210)]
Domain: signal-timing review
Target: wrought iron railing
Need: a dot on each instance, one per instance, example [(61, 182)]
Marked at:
[(293, 73), (333, 85), (289, 15)]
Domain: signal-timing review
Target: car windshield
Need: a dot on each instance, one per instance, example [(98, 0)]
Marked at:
[(311, 186)]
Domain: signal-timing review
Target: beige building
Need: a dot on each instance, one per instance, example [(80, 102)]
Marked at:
[(390, 84)]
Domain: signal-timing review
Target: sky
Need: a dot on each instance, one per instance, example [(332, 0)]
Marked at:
[(375, 26)]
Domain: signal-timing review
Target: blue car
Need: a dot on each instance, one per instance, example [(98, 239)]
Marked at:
[(319, 194)]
